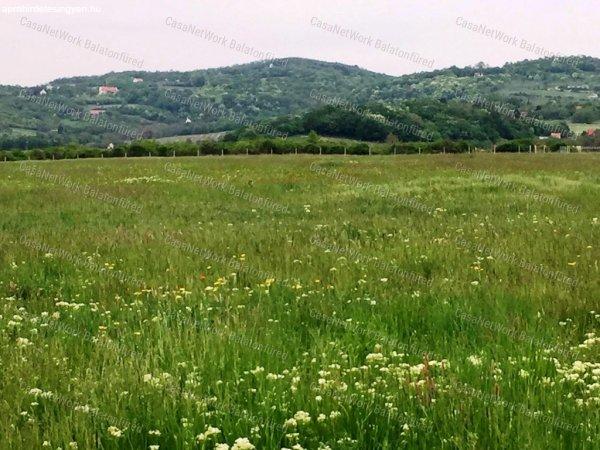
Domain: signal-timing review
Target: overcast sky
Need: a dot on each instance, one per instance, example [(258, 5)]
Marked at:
[(418, 35)]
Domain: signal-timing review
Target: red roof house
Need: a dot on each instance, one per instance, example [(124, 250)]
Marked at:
[(107, 90)]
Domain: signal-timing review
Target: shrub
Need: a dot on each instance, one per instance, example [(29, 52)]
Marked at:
[(359, 149), (513, 146), (37, 154), (137, 149), (209, 147), (310, 148), (18, 155), (89, 153), (333, 149), (6, 156), (163, 150), (404, 148)]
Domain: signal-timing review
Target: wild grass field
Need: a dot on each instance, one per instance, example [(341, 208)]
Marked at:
[(301, 302)]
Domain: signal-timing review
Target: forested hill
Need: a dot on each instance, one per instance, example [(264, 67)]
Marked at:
[(293, 95)]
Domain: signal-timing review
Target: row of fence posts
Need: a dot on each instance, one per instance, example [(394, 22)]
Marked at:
[(531, 149), (321, 151), (469, 150)]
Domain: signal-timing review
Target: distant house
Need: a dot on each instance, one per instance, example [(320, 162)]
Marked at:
[(555, 135), (43, 92), (107, 90), (188, 120), (138, 80), (593, 95), (591, 132), (95, 112), (477, 74)]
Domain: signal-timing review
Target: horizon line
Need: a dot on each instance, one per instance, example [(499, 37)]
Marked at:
[(271, 60)]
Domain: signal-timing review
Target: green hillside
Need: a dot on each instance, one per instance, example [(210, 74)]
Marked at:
[(296, 95)]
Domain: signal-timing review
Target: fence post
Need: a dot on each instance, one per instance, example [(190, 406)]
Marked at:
[(246, 151), (198, 152), (173, 153), (529, 148), (320, 150), (149, 155), (419, 150), (494, 148), (369, 150), (519, 149), (296, 150), (271, 151), (444, 150), (222, 152), (394, 149), (125, 154)]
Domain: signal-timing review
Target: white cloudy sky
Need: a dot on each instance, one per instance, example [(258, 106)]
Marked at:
[(283, 27)]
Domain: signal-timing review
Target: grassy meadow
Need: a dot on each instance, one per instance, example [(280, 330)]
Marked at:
[(301, 302)]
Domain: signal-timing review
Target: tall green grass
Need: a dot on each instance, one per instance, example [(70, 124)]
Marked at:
[(349, 319)]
